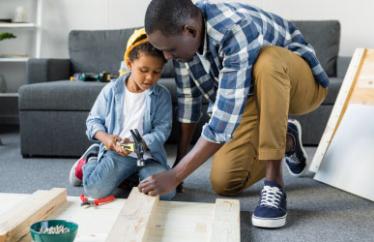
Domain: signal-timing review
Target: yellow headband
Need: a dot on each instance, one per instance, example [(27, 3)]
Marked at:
[(134, 42)]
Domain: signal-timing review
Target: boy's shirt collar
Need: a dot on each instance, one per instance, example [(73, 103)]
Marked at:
[(120, 82)]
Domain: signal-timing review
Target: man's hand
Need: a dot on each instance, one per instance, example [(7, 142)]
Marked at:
[(159, 184)]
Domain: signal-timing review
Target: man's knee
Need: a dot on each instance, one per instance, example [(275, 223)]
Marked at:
[(226, 185)]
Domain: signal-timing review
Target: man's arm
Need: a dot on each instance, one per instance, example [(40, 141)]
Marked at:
[(242, 46), (201, 152), (164, 182), (186, 133)]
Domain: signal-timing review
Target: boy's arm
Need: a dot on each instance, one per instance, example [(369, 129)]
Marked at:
[(162, 122), (96, 118)]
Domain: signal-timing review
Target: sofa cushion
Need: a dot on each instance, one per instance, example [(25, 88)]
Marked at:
[(69, 95), (324, 35), (59, 95), (87, 57), (334, 88)]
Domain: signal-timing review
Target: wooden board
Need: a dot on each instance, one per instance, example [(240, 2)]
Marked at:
[(15, 222), (338, 110), (344, 156), (146, 219), (94, 223)]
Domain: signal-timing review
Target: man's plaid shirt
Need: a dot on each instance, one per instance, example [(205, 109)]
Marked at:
[(234, 35)]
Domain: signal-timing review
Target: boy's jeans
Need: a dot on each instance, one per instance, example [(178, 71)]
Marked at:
[(102, 177)]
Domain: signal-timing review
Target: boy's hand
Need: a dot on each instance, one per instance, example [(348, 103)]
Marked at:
[(120, 149), (110, 141)]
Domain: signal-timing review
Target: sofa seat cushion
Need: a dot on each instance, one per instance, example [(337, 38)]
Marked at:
[(59, 95)]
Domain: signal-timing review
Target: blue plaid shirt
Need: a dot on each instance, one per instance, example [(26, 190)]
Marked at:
[(222, 74)]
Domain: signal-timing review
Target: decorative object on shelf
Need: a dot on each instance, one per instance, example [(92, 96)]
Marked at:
[(20, 15), (5, 20), (5, 35), (3, 87)]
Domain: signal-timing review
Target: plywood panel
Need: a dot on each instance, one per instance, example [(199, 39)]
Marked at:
[(339, 108), (146, 219), (344, 158), (226, 221), (349, 162)]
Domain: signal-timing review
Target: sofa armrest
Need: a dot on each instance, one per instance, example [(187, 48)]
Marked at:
[(342, 65), (45, 70)]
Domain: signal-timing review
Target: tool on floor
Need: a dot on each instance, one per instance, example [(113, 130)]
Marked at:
[(87, 76), (86, 202), (138, 146)]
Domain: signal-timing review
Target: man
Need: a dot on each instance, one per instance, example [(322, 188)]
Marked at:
[(255, 69)]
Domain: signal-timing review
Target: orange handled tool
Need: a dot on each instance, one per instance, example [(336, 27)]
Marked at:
[(95, 202)]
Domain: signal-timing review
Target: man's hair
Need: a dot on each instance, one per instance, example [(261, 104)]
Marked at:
[(168, 16)]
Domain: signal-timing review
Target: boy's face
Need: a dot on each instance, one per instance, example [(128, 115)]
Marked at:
[(181, 47), (145, 70)]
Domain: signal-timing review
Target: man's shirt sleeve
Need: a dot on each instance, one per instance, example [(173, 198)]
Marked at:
[(240, 48), (188, 95)]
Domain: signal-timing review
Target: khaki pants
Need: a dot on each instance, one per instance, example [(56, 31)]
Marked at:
[(283, 84)]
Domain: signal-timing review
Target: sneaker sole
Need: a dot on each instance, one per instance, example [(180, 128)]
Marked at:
[(73, 180), (304, 172), (269, 223)]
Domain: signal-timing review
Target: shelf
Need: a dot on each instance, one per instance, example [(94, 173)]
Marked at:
[(9, 94), (17, 25), (14, 59)]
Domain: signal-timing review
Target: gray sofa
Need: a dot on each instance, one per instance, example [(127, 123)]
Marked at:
[(53, 110)]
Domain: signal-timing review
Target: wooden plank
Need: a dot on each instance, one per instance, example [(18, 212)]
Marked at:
[(15, 223), (181, 221), (339, 108), (89, 229), (132, 221), (347, 163), (363, 92), (226, 222)]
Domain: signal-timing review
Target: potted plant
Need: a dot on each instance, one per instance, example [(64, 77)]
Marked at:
[(5, 35)]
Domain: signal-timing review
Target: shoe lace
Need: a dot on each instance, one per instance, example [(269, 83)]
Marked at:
[(271, 196), (292, 158)]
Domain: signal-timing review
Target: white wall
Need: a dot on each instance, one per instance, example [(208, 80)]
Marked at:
[(59, 17)]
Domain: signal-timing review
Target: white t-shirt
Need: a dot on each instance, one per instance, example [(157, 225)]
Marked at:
[(133, 111)]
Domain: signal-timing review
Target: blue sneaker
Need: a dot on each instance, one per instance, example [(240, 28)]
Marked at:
[(271, 212), (296, 159)]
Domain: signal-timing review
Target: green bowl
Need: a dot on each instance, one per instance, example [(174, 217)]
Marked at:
[(38, 236)]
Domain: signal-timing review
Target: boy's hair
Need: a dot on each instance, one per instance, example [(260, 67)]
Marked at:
[(168, 16), (145, 48)]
